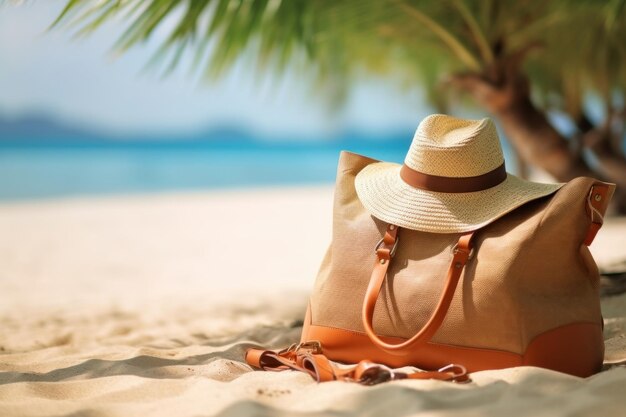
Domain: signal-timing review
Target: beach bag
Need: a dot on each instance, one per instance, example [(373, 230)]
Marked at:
[(442, 273)]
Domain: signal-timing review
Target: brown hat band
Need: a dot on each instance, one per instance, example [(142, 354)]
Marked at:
[(439, 184)]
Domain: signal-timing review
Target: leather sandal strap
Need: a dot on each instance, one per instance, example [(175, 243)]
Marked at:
[(320, 368), (462, 252)]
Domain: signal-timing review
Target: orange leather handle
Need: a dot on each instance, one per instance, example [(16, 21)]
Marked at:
[(462, 253)]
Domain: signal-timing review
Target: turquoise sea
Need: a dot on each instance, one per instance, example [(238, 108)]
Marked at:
[(32, 171)]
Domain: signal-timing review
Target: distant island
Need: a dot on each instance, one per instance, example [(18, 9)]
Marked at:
[(38, 127), (44, 130)]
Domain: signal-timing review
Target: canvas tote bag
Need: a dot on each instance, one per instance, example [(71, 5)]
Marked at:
[(523, 289)]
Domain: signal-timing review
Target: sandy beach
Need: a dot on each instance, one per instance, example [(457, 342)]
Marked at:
[(144, 306)]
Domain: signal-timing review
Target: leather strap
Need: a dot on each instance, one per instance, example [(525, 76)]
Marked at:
[(462, 252), (596, 205), (309, 358), (440, 184)]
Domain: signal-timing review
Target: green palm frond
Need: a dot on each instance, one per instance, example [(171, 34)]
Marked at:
[(580, 46)]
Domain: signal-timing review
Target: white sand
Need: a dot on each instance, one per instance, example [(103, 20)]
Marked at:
[(144, 305)]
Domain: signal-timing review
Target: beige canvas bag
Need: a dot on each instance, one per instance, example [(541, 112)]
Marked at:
[(521, 288)]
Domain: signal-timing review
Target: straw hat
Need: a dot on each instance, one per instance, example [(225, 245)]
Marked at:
[(453, 179)]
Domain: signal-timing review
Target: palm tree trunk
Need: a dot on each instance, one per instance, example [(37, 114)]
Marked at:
[(538, 142), (534, 138)]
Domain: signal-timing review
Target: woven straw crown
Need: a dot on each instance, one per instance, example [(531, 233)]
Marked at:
[(443, 145), (425, 193)]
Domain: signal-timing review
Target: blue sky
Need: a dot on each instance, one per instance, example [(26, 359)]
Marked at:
[(79, 81)]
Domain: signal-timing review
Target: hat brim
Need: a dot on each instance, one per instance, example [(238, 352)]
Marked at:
[(387, 197)]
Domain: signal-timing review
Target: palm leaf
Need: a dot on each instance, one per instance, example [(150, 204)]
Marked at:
[(416, 42)]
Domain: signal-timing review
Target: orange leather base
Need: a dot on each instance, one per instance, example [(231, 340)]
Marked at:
[(576, 349)]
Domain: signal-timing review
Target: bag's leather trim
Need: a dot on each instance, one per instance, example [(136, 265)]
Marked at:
[(576, 349), (436, 183), (597, 202), (350, 346)]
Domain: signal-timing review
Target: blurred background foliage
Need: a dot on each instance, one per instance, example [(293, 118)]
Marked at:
[(525, 62)]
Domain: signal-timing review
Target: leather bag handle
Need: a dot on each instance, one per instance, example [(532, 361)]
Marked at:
[(385, 251)]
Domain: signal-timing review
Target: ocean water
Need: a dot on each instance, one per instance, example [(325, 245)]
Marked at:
[(57, 170)]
